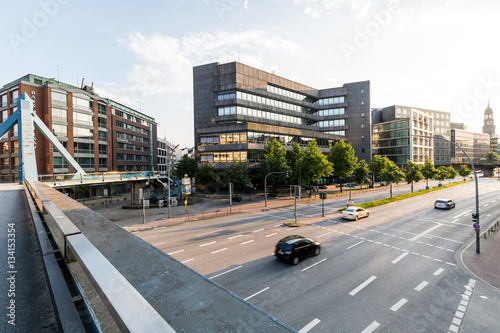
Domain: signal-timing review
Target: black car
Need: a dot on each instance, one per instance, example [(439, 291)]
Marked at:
[(293, 248)]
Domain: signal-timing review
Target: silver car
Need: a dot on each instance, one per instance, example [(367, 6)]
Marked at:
[(444, 204), (354, 213)]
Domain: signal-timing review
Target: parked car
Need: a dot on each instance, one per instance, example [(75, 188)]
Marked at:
[(444, 204), (354, 213), (293, 248)]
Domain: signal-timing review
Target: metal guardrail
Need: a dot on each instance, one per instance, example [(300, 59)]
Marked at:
[(78, 178), (129, 309)]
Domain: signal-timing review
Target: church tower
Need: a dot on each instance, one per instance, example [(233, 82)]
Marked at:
[(489, 124)]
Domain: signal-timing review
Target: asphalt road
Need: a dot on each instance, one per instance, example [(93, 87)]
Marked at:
[(393, 272)]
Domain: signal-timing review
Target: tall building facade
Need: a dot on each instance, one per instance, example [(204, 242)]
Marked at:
[(399, 134), (488, 121), (441, 127), (166, 155), (100, 134), (476, 145), (238, 109)]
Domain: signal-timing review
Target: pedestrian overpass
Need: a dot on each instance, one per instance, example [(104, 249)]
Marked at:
[(27, 120)]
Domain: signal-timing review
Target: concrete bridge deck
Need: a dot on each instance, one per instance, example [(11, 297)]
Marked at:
[(188, 301), (23, 285)]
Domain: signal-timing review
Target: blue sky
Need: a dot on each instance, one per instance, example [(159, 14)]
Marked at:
[(440, 54)]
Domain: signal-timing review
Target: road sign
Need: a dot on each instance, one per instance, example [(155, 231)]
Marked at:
[(350, 203), (350, 186), (188, 189), (105, 192), (476, 226), (186, 181)]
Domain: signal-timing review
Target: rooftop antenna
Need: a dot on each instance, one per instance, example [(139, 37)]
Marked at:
[(83, 79)]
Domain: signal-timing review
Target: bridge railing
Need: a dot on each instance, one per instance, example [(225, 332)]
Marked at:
[(128, 308), (99, 176)]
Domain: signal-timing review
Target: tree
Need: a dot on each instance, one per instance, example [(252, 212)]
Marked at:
[(441, 173), (344, 161), (412, 173), (294, 157), (236, 173), (491, 157), (464, 171), (274, 160), (186, 165), (428, 170), (361, 173), (390, 173), (376, 165), (451, 173), (206, 175), (314, 165)]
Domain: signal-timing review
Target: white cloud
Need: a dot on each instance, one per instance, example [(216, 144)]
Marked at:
[(165, 63)]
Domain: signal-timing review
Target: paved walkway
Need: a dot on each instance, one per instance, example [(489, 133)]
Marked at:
[(23, 286)]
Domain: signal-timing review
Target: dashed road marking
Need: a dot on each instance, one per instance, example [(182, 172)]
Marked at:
[(319, 262), (372, 327), (309, 326), (399, 304), (232, 269), (259, 292), (210, 243), (421, 286), (175, 252), (362, 285)]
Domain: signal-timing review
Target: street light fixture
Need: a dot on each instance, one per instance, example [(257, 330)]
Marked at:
[(475, 215), (169, 167)]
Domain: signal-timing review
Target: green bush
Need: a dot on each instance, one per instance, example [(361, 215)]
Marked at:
[(273, 194), (237, 199)]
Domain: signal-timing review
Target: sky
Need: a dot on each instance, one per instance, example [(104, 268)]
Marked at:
[(440, 54)]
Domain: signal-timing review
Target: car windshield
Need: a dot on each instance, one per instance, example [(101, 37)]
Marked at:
[(441, 201), (350, 210), (285, 246)]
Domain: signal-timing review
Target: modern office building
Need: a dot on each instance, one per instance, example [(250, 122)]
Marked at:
[(441, 128), (166, 155), (101, 134), (238, 109), (395, 131), (489, 122), (495, 145), (476, 145)]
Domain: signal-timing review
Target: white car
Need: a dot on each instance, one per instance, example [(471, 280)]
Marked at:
[(354, 213)]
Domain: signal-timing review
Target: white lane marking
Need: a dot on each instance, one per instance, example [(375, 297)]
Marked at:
[(350, 247), (271, 234), (232, 269), (147, 237), (425, 232), (460, 215), (361, 286), (277, 225), (421, 286), (246, 299), (326, 234), (258, 230), (233, 237), (309, 326), (486, 205), (214, 252), (373, 326), (399, 258), (319, 262), (247, 242), (438, 271), (175, 252), (185, 261), (207, 244), (210, 232), (159, 243), (399, 304)]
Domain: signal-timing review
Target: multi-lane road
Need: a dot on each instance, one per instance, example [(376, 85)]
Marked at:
[(392, 272)]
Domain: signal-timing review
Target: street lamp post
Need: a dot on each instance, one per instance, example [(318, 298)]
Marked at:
[(478, 250), (265, 184), (168, 179)]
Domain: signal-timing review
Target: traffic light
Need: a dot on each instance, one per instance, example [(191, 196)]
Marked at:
[(322, 195), (475, 217)]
